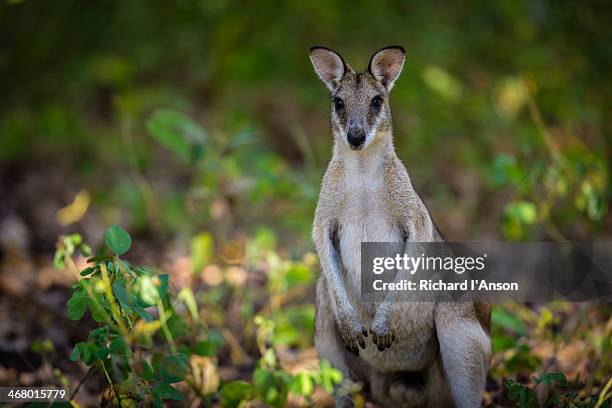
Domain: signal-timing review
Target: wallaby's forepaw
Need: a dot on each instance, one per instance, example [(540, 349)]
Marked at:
[(353, 333), (382, 334)]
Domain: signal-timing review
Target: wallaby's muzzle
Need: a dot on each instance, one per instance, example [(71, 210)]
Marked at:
[(356, 137)]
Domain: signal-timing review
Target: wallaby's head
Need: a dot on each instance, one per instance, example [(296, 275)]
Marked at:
[(360, 113)]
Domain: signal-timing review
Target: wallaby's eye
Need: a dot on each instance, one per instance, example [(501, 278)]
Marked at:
[(376, 103), (338, 104)]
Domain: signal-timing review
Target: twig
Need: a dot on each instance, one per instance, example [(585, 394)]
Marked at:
[(277, 301), (304, 145), (237, 353), (112, 385), (148, 195), (536, 116), (553, 150), (78, 387), (165, 328), (603, 395)]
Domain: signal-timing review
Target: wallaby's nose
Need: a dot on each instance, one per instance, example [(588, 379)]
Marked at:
[(356, 136)]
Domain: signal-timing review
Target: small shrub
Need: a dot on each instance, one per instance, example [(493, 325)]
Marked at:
[(144, 347)]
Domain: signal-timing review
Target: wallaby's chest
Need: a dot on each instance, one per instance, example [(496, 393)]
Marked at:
[(366, 218), (366, 210)]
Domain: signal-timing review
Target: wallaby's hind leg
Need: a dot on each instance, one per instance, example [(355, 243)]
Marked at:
[(329, 345), (465, 350)]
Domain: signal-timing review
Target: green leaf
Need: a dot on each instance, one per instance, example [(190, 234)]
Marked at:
[(173, 368), (86, 249), (442, 82), (143, 270), (118, 346), (286, 334), (523, 395), (165, 391), (177, 326), (143, 314), (502, 342), (101, 353), (163, 285), (99, 258), (263, 241), (329, 376), (506, 171), (524, 211), (42, 347), (96, 310), (126, 300), (58, 259), (521, 359), (206, 348), (302, 384), (178, 133), (117, 240), (557, 377), (272, 386), (201, 251), (81, 352), (124, 266), (149, 293), (99, 335), (88, 271), (77, 305), (187, 296), (299, 274), (233, 393), (147, 370), (503, 318)]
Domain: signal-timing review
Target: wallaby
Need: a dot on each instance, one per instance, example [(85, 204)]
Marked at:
[(406, 354)]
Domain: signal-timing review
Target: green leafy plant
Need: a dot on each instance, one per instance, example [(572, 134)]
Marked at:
[(560, 185), (143, 346), (524, 396), (233, 173), (271, 383), (132, 305)]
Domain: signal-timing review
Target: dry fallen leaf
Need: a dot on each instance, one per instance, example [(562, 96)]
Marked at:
[(204, 375)]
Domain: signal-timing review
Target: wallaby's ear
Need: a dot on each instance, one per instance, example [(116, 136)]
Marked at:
[(386, 65), (329, 66)]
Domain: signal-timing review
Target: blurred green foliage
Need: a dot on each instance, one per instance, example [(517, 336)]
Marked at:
[(513, 96)]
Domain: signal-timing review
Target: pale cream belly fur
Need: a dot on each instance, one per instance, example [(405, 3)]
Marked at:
[(412, 350)]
